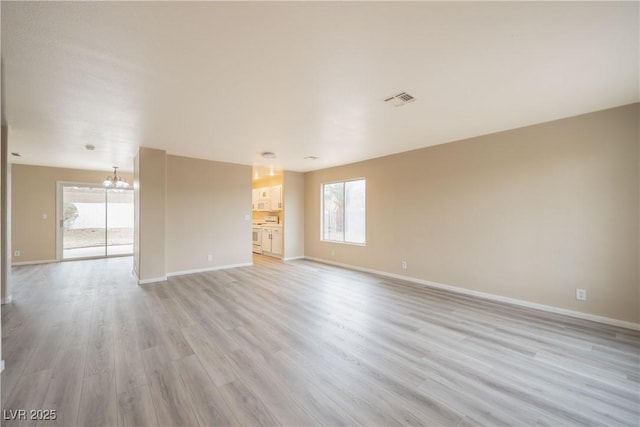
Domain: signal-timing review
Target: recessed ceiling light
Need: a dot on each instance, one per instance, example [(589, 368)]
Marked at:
[(268, 155), (311, 158), (90, 147), (15, 154)]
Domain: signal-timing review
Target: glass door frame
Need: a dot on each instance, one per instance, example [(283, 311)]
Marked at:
[(60, 221)]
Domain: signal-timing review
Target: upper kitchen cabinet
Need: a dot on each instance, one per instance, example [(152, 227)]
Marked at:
[(263, 202), (267, 199), (255, 196), (264, 193), (276, 198), (263, 205)]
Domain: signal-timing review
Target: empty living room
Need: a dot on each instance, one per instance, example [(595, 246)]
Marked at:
[(323, 213)]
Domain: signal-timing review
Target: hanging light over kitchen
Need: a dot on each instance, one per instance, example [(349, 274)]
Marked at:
[(115, 180)]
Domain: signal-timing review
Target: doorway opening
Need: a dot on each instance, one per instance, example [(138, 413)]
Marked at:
[(94, 221)]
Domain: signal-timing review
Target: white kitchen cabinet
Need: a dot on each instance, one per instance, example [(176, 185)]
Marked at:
[(266, 239), (272, 241), (255, 193), (263, 205), (276, 197), (264, 193), (277, 241), (267, 199), (263, 202)]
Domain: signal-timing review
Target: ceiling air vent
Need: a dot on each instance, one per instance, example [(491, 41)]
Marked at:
[(400, 99)]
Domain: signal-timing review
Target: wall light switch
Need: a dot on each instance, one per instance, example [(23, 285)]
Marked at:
[(247, 217), (45, 216)]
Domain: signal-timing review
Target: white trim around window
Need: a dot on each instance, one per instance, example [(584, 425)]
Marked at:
[(343, 211)]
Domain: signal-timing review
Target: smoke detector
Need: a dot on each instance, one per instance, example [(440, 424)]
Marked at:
[(399, 99)]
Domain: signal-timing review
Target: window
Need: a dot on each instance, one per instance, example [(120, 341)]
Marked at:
[(343, 211)]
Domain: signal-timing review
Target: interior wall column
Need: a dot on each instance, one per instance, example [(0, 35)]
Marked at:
[(150, 195), (5, 220)]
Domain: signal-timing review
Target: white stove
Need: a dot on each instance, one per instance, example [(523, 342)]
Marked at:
[(256, 232), (270, 220)]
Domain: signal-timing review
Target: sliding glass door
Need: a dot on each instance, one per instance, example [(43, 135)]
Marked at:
[(95, 221)]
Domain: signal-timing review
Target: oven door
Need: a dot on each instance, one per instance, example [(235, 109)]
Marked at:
[(257, 238)]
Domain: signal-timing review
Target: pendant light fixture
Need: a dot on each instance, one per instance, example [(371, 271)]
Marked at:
[(115, 180)]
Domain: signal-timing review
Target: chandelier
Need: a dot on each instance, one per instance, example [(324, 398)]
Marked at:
[(115, 180)]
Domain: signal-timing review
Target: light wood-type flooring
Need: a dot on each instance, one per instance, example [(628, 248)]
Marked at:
[(300, 343)]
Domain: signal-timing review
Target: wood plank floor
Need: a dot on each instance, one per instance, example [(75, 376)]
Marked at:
[(300, 343)]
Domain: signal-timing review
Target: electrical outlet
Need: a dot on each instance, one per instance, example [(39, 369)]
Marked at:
[(404, 265), (16, 253), (209, 257), (581, 294), (45, 216)]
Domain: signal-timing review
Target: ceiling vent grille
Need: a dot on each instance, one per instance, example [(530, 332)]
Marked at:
[(398, 100)]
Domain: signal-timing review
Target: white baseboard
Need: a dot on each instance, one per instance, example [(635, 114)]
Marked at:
[(6, 300), (46, 261), (203, 270), (486, 295), (152, 280), (291, 258)]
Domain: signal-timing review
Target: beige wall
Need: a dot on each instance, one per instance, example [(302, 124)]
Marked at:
[(33, 193), (150, 190), (531, 213), (208, 213), (186, 209), (136, 215), (3, 210), (5, 219), (294, 215)]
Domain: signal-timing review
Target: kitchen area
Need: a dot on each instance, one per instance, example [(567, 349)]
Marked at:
[(267, 214)]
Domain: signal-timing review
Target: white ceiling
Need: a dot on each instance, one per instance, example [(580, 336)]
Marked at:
[(226, 81)]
